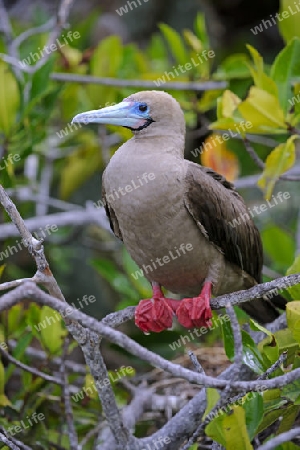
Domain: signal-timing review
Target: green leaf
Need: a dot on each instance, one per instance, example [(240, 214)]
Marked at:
[(295, 268), (18, 352), (251, 355), (288, 22), (52, 330), (254, 408), (285, 67), (103, 65), (3, 399), (230, 430), (291, 390), (293, 318), (80, 165), (175, 43), (283, 252), (115, 278), (233, 67), (281, 159), (10, 99)]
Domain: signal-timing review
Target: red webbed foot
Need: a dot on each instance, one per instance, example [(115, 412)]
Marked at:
[(156, 313), (196, 312)]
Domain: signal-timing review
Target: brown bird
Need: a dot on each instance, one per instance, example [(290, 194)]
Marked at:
[(176, 218)]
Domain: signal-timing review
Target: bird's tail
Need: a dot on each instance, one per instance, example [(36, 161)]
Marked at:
[(266, 309)]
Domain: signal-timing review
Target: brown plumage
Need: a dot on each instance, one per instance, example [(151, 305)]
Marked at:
[(184, 204)]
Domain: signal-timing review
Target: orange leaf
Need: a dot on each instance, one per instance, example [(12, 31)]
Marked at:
[(218, 157)]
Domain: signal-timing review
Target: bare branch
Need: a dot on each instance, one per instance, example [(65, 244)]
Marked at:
[(283, 437), (176, 86), (67, 401), (30, 290)]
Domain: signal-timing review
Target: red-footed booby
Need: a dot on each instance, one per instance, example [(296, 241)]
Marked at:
[(176, 217)]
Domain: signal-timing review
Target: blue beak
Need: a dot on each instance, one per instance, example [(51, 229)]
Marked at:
[(125, 114)]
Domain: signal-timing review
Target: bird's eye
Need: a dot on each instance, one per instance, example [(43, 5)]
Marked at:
[(143, 107)]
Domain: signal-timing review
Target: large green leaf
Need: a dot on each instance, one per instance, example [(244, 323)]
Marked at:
[(251, 355), (288, 22), (283, 252), (254, 408), (9, 99), (230, 430), (285, 67), (175, 43)]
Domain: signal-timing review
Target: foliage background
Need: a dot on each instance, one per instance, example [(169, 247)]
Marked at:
[(59, 171)]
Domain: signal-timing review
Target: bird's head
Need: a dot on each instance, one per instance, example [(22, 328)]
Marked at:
[(146, 112)]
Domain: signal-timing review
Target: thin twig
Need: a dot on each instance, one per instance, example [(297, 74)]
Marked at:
[(259, 162), (29, 369), (195, 362)]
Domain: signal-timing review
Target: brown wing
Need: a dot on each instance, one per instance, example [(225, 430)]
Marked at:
[(222, 216), (113, 221)]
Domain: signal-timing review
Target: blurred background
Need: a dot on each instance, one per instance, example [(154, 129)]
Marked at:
[(54, 169)]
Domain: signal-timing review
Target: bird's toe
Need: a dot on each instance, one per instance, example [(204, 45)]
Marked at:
[(153, 315)]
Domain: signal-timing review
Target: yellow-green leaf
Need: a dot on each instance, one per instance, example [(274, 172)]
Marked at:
[(228, 104), (212, 396), (10, 99), (3, 399), (261, 79), (295, 268), (52, 331), (281, 159), (230, 430), (2, 267), (263, 111), (293, 319)]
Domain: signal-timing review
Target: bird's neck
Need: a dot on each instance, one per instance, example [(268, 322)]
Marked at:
[(158, 144)]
